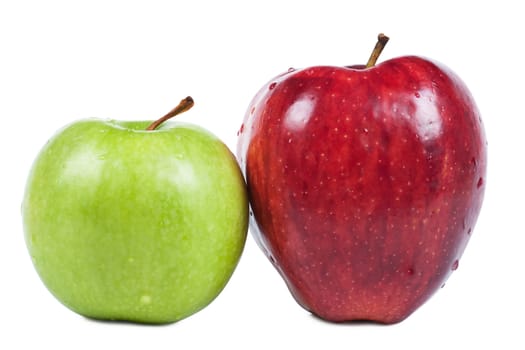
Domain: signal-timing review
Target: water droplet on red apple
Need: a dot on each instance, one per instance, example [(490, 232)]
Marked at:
[(291, 69), (272, 86), (241, 129), (410, 272), (473, 161), (480, 182), (272, 259), (455, 265), (417, 94), (365, 130), (252, 110), (469, 231)]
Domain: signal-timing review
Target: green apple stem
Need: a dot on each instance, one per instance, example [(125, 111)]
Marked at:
[(182, 107), (382, 39)]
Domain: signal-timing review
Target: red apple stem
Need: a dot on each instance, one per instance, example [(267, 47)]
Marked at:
[(382, 39), (182, 107)]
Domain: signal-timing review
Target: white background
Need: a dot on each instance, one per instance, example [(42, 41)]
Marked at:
[(65, 60)]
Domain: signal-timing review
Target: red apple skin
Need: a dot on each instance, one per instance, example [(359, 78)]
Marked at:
[(365, 184)]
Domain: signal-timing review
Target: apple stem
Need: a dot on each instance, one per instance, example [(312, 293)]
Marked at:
[(182, 107), (382, 39)]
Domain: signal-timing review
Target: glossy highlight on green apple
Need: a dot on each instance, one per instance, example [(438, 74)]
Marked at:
[(133, 220)]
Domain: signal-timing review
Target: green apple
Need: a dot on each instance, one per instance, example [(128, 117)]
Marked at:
[(124, 223)]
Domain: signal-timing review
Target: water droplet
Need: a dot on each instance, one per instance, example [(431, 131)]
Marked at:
[(365, 130), (455, 265), (480, 182), (272, 259), (272, 86), (241, 129), (469, 231), (291, 69), (417, 95), (410, 272), (443, 285), (252, 110), (473, 161)]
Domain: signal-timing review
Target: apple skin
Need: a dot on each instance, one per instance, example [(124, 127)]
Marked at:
[(365, 184), (134, 225)]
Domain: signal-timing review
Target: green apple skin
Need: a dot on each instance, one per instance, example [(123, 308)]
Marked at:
[(134, 225)]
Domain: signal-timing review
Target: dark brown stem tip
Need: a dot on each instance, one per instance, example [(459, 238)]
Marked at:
[(184, 105), (382, 39)]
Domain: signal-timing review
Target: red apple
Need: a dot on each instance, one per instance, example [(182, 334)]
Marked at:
[(365, 183)]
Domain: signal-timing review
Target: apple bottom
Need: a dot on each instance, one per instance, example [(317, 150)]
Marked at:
[(365, 302), (334, 295), (374, 259)]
